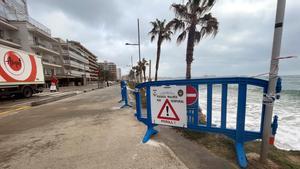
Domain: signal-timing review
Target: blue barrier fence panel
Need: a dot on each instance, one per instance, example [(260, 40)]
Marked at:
[(239, 135), (209, 105), (224, 106)]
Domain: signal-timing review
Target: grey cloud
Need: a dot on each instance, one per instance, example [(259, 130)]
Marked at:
[(243, 45)]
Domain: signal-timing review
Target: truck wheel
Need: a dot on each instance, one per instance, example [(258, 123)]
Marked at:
[(27, 92)]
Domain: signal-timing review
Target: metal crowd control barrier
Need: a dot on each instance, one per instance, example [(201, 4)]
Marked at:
[(124, 94), (239, 135)]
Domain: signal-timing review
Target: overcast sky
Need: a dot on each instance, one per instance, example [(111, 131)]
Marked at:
[(242, 46)]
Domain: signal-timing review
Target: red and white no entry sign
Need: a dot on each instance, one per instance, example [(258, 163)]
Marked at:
[(191, 95)]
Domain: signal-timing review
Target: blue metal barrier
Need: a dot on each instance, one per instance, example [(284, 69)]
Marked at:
[(239, 135), (124, 94), (122, 84)]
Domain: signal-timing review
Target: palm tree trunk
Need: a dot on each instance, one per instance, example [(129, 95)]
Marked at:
[(190, 51), (144, 72), (157, 56)]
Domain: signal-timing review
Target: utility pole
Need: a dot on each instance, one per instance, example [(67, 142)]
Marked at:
[(139, 42), (273, 75)]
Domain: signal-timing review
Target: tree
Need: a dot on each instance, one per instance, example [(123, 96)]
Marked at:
[(137, 70), (142, 66), (131, 74), (196, 22), (163, 32), (106, 75)]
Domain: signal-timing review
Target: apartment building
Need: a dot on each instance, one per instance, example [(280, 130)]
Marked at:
[(19, 30), (93, 66), (119, 74), (69, 61), (80, 65), (111, 67)]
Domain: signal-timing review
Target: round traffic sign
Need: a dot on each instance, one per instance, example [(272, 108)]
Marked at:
[(191, 95)]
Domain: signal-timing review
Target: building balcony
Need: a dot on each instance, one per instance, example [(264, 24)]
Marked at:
[(78, 57), (43, 48), (64, 52), (15, 43), (8, 26), (51, 64), (76, 65), (76, 73)]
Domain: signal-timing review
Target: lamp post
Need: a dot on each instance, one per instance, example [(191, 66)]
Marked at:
[(139, 42), (270, 96)]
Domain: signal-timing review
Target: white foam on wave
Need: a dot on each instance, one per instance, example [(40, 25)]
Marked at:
[(287, 109)]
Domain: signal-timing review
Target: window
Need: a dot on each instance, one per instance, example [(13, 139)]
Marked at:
[(35, 40), (58, 71), (1, 34)]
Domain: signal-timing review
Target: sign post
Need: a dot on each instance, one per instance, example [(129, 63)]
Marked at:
[(273, 75)]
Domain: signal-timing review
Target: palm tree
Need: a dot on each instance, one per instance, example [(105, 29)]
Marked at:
[(163, 32), (131, 74), (143, 65), (137, 70), (196, 22)]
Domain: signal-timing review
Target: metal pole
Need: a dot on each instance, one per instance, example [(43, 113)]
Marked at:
[(149, 71), (131, 62), (139, 39), (270, 97), (139, 44)]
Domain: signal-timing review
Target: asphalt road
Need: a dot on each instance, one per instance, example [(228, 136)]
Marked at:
[(85, 131), (14, 104), (90, 131)]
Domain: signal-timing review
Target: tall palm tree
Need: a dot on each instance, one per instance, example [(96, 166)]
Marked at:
[(163, 32), (142, 66), (196, 21), (138, 72)]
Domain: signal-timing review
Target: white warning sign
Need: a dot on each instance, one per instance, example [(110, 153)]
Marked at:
[(168, 105)]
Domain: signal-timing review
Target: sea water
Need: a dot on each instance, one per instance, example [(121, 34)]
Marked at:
[(287, 108)]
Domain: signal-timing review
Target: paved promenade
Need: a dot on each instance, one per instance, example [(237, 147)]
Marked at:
[(90, 131)]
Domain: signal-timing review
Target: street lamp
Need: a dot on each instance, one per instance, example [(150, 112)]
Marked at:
[(139, 42)]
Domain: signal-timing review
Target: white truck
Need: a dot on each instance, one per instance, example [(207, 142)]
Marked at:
[(21, 73)]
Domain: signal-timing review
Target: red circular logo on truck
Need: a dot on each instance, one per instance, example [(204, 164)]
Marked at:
[(13, 61), (13, 69), (191, 95)]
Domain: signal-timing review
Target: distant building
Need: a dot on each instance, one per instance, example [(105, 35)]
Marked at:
[(111, 67), (19, 30), (119, 74)]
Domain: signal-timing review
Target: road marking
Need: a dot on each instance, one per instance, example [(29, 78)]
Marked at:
[(14, 110)]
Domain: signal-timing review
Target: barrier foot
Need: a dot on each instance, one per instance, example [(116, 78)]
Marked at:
[(241, 156), (125, 105), (121, 101), (149, 133)]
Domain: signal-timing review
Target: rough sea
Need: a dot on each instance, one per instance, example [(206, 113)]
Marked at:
[(287, 108)]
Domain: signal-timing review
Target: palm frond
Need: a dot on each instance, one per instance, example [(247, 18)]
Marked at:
[(210, 29), (176, 24), (181, 11), (181, 37), (152, 38)]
